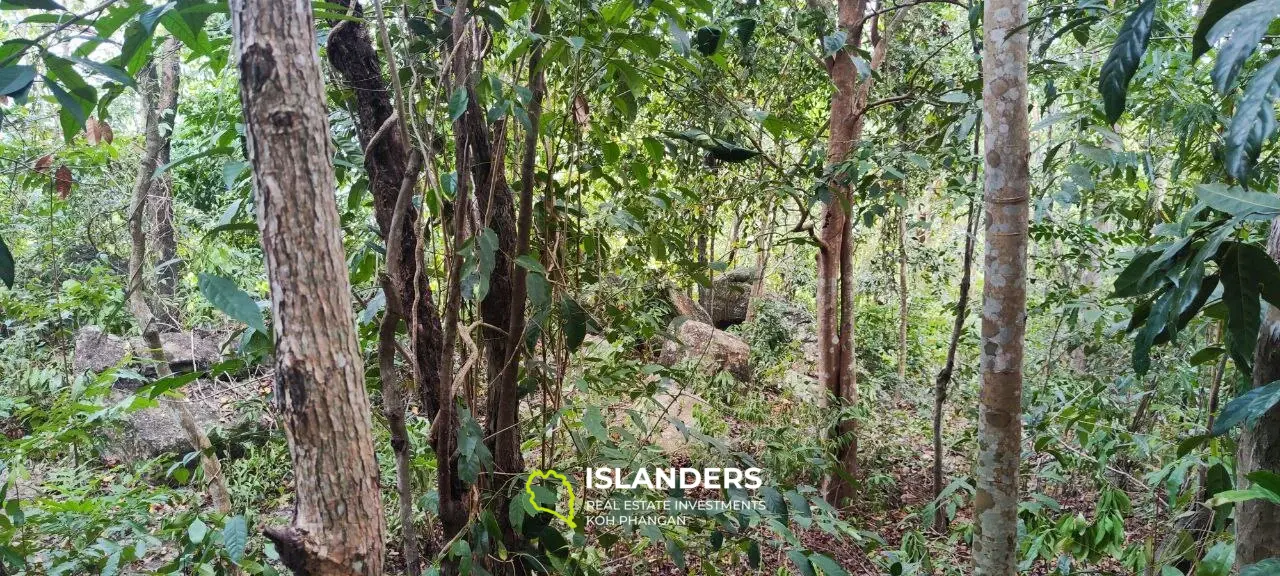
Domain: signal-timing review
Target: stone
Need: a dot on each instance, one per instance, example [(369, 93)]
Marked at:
[(687, 307), (731, 297), (149, 432), (712, 350)]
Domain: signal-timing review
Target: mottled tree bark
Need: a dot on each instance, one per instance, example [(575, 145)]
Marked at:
[(1004, 294), (167, 266), (1258, 521), (386, 152), (337, 525), (154, 99)]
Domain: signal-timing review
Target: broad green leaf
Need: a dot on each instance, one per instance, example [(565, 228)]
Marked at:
[(1245, 25), (1239, 202), (111, 72), (232, 301), (828, 566), (1266, 480), (1216, 10), (1247, 408), (1237, 496), (679, 37), (235, 532), (1207, 354), (16, 79), (1218, 560), (1130, 280), (801, 562), (707, 40), (574, 320), (1254, 120), (1156, 323), (457, 103), (1243, 272), (1268, 567), (1125, 56), (31, 4), (7, 265), (197, 530), (72, 107)]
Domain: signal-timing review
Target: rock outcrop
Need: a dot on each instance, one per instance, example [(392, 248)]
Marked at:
[(731, 297), (152, 431), (710, 349)]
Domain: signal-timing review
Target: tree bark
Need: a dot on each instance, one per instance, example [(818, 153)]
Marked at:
[(168, 268), (337, 525), (154, 102), (1258, 521), (386, 153), (902, 296), (835, 293), (1004, 294)]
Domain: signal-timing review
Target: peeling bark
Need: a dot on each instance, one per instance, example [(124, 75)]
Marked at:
[(1004, 103), (337, 525)]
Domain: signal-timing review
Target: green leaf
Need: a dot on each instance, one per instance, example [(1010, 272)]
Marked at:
[(1268, 567), (679, 37), (457, 103), (215, 151), (1247, 408), (1206, 354), (574, 320), (1240, 292), (7, 265), (72, 107), (197, 530), (31, 4), (1239, 202), (232, 301), (16, 79), (707, 40), (235, 532), (1254, 120), (1130, 281), (111, 72), (1237, 496), (833, 43), (1265, 479), (1245, 25), (828, 566), (1216, 10), (1218, 560), (801, 562), (1125, 56)]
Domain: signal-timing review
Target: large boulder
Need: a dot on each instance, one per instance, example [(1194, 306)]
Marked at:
[(731, 297), (712, 350), (152, 431), (96, 350)]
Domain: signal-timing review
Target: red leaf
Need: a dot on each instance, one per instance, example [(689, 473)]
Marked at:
[(42, 164), (62, 181)]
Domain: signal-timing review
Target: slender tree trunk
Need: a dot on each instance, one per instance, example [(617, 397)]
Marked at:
[(1004, 294), (154, 100), (902, 296), (943, 380), (337, 525), (835, 293), (1258, 521), (386, 153), (167, 266)]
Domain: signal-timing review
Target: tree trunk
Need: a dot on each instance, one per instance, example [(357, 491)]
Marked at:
[(154, 98), (337, 525), (902, 296), (1258, 521), (1004, 294), (835, 294), (944, 376), (386, 152), (167, 266)]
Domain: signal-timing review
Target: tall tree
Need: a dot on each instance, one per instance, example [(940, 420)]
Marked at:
[(835, 236), (1258, 521), (161, 193), (1004, 292), (159, 95), (337, 526)]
